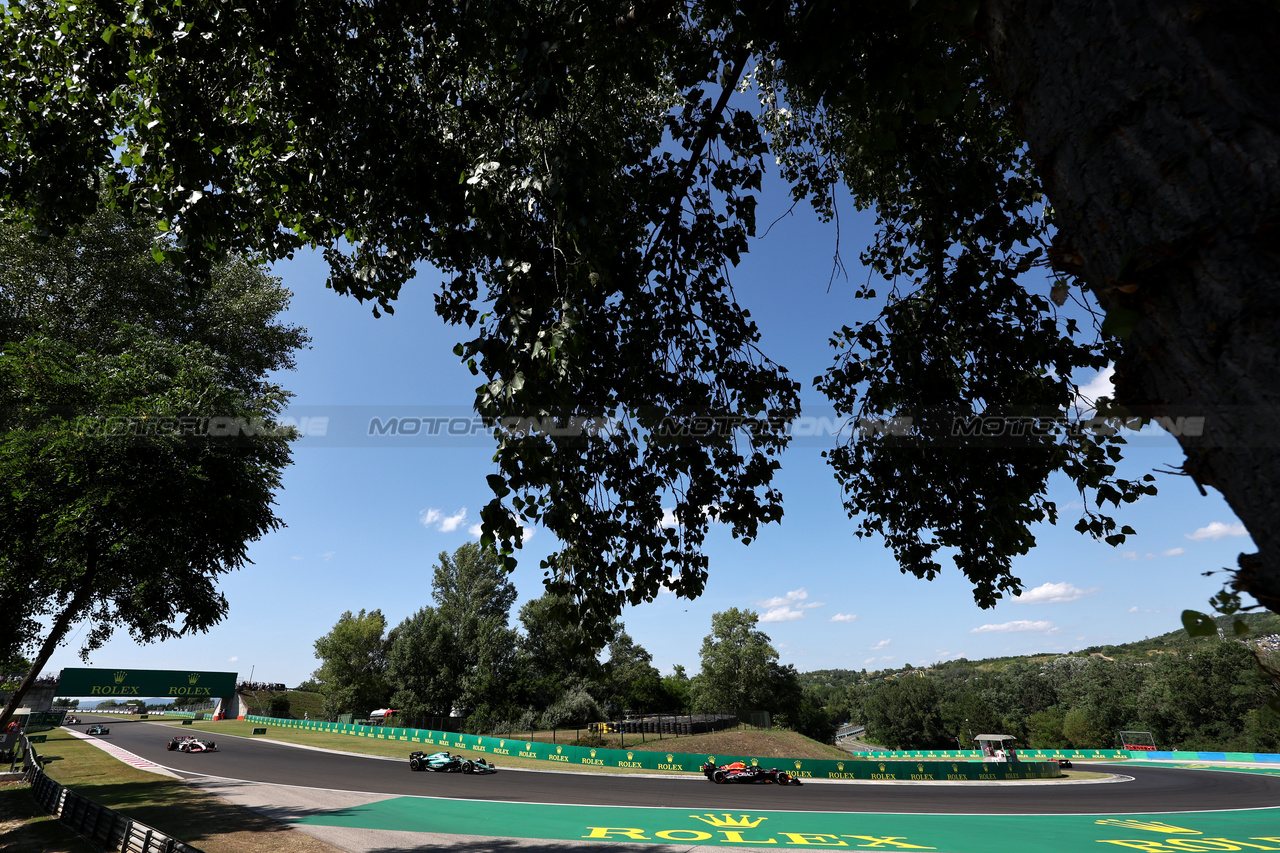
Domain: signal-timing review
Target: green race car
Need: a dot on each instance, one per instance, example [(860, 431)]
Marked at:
[(443, 762)]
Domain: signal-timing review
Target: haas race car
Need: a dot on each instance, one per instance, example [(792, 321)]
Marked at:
[(443, 762), (187, 743), (740, 771)]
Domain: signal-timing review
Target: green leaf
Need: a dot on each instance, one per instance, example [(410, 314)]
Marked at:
[(1198, 624)]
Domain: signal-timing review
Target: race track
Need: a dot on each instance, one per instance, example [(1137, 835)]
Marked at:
[(1152, 790)]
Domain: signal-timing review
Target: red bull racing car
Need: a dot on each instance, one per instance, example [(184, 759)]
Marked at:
[(740, 771)]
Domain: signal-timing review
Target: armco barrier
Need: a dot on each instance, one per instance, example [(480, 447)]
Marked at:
[(941, 767), (104, 828)]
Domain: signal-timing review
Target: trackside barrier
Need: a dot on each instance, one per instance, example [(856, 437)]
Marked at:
[(1250, 757), (102, 827), (806, 768), (973, 754)]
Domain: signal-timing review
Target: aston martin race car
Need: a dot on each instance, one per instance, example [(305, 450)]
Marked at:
[(443, 762), (97, 729), (740, 771), (188, 743)]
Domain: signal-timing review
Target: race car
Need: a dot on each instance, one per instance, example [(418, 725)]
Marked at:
[(443, 762), (97, 729), (740, 771), (1064, 763), (189, 743), (72, 721)]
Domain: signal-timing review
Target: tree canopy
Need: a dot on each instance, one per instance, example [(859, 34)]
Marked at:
[(585, 177), (353, 664), (139, 449)]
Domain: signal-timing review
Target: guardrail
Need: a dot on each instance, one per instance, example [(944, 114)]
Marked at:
[(98, 824)]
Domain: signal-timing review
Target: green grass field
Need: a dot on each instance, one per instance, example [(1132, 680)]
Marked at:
[(175, 808)]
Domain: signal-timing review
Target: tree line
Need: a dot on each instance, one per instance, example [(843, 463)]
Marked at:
[(1212, 695), (462, 657)]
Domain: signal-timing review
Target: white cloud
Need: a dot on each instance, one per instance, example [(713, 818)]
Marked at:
[(328, 555), (475, 530), (1173, 552), (782, 614), (880, 645), (1096, 388), (444, 523), (1054, 593), (789, 607), (844, 617), (1018, 626), (785, 600), (233, 659), (1217, 530), (1134, 609), (668, 519), (295, 557)]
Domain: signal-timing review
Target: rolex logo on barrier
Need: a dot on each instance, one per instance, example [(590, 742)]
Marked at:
[(193, 678), (502, 744), (711, 758), (670, 758), (528, 747), (840, 766), (881, 768), (120, 676), (727, 820), (797, 765), (630, 755), (920, 768), (593, 753), (755, 762), (1149, 826), (559, 749)]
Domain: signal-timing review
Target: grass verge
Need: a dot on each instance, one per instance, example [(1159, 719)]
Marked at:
[(169, 805), (24, 828)]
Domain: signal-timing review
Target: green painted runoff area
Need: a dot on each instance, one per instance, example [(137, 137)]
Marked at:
[(1257, 829), (925, 766)]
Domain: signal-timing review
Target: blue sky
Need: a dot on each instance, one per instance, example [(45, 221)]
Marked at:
[(367, 519)]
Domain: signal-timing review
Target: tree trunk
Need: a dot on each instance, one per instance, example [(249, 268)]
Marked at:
[(59, 630), (1156, 127)]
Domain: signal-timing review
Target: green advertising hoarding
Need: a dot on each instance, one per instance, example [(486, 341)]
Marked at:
[(145, 683), (960, 767)]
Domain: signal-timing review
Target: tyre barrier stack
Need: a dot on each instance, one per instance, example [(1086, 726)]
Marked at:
[(98, 824)]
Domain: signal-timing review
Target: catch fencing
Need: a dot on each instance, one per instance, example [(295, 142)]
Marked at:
[(99, 825)]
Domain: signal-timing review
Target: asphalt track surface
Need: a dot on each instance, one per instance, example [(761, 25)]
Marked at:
[(1152, 789)]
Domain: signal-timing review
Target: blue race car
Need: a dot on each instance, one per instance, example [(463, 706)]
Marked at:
[(443, 762)]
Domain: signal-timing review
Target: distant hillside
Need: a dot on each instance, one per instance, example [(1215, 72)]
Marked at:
[(300, 703), (1264, 631)]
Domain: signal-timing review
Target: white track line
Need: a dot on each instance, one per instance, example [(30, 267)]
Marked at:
[(123, 754)]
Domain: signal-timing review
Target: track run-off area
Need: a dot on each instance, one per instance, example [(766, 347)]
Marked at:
[(336, 796)]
